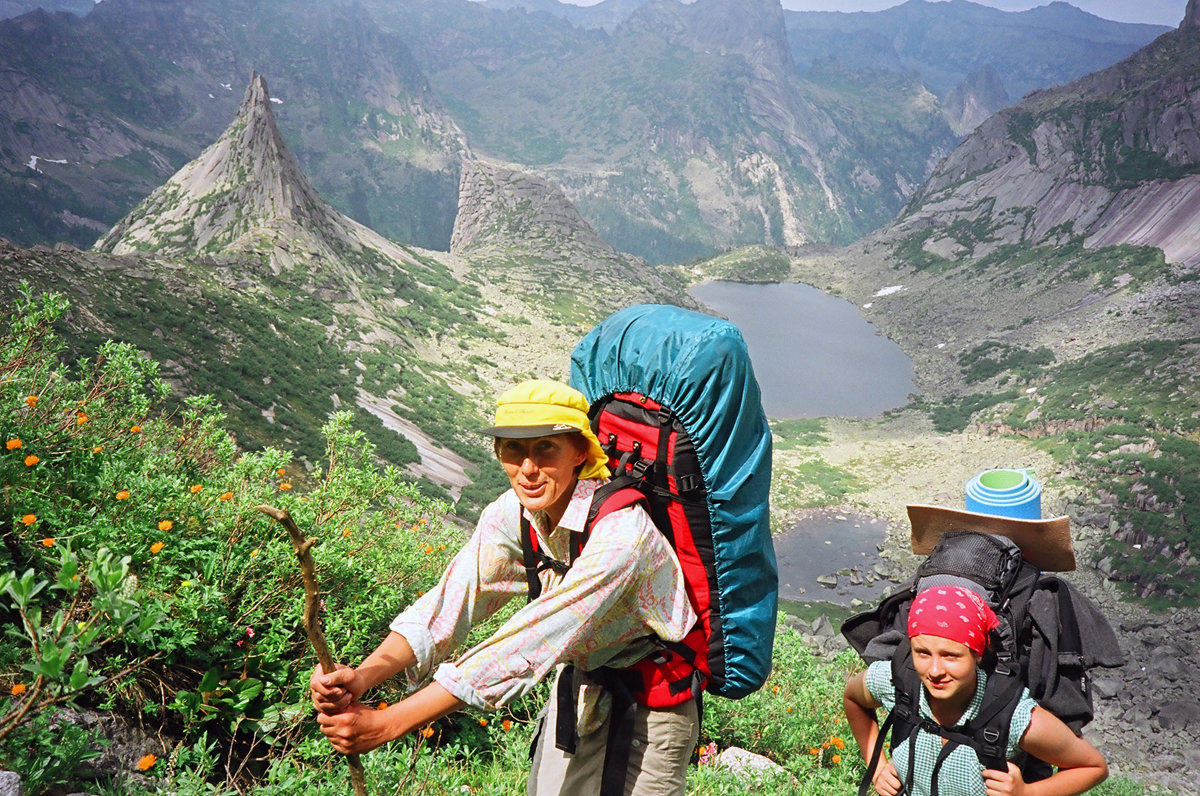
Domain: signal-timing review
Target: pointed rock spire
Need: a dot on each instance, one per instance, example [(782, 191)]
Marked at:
[(245, 193), (1191, 17)]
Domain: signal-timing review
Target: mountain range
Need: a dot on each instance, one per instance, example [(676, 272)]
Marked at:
[(737, 122)]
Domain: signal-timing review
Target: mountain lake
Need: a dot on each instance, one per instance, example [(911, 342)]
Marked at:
[(814, 355)]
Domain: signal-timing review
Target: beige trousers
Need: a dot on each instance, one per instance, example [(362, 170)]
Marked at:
[(662, 744)]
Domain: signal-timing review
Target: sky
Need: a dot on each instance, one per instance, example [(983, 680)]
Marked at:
[(1158, 12)]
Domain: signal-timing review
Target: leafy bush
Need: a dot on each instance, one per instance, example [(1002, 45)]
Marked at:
[(136, 574)]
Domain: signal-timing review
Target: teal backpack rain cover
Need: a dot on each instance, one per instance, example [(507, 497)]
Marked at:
[(696, 368)]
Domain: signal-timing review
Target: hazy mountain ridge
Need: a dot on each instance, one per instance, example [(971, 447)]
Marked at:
[(947, 41), (1113, 157), (716, 142)]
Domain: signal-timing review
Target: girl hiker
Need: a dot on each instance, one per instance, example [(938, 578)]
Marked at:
[(948, 630), (618, 601)]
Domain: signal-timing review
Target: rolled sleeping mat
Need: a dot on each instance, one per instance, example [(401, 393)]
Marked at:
[(1005, 493)]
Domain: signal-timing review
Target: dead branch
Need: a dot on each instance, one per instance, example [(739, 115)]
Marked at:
[(312, 620)]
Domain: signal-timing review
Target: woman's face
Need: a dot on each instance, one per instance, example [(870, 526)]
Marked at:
[(542, 470), (946, 668)]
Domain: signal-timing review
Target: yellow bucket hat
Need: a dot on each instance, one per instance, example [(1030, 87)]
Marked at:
[(541, 408)]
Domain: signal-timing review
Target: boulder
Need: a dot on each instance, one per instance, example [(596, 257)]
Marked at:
[(10, 783), (749, 765), (1177, 715)]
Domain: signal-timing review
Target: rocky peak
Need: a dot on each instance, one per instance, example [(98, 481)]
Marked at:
[(1191, 17), (976, 98), (509, 208), (245, 193)]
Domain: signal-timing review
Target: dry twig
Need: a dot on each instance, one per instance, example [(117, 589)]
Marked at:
[(311, 619)]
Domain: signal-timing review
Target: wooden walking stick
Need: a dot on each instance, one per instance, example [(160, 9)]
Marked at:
[(312, 622)]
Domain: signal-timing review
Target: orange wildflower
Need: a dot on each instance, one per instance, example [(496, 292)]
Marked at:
[(166, 525), (81, 418), (226, 496), (835, 759), (31, 401), (17, 689), (814, 751), (135, 429), (13, 444), (31, 460), (789, 710), (838, 742), (48, 541), (97, 449), (254, 553), (146, 763), (345, 533), (156, 547), (428, 548), (427, 732), (29, 519), (382, 706), (506, 725), (280, 472), (483, 722), (124, 493), (286, 485), (196, 488)]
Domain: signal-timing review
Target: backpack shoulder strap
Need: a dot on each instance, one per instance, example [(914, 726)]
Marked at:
[(990, 728), (617, 494)]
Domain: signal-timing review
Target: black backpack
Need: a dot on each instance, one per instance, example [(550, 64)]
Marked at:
[(1050, 635)]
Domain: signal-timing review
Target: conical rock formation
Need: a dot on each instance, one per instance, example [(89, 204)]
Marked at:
[(244, 194)]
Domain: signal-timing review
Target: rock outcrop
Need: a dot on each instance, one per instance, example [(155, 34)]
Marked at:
[(502, 206), (972, 101)]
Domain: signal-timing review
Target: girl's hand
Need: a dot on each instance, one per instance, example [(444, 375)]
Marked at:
[(886, 780), (1004, 783)]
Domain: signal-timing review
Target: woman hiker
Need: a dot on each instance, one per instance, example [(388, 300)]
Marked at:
[(623, 595), (948, 628)]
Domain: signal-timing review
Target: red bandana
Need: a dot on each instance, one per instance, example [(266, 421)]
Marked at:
[(953, 613)]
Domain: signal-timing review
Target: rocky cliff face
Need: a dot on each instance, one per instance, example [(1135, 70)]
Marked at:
[(245, 194), (501, 206), (972, 101), (1113, 157)]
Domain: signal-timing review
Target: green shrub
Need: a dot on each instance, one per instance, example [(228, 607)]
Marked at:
[(136, 574)]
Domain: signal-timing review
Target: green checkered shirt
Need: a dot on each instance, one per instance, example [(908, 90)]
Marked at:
[(961, 774)]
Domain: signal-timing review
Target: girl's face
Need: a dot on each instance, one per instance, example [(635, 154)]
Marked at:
[(946, 668), (542, 470)]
